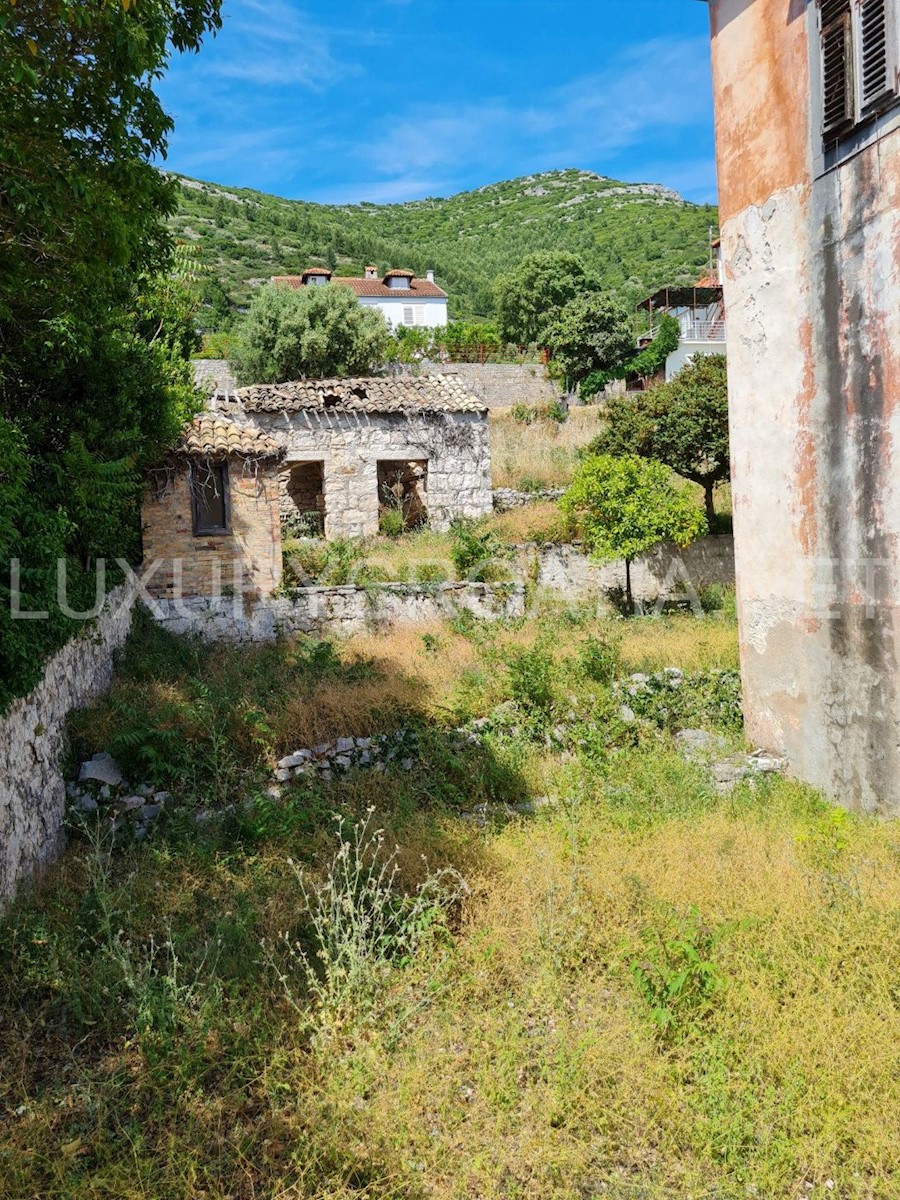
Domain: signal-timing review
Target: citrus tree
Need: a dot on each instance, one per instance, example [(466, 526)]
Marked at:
[(683, 423), (624, 506)]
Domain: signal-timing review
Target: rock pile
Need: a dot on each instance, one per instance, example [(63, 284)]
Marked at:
[(330, 759), (507, 498), (698, 745), (102, 790)]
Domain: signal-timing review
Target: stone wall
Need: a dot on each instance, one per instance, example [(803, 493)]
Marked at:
[(326, 611), (810, 236), (32, 741), (500, 385), (666, 571), (248, 558), (350, 445)]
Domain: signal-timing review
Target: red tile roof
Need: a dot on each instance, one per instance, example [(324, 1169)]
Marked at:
[(215, 436), (421, 288)]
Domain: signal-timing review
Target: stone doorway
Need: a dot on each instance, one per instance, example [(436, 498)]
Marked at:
[(402, 487), (303, 499)]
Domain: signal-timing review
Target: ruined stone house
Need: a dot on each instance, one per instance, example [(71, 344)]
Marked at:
[(808, 143), (355, 447), (323, 457)]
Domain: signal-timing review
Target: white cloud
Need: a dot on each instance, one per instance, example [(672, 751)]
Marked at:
[(645, 92)]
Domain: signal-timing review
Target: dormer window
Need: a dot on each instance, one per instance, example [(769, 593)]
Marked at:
[(399, 280), (315, 277)]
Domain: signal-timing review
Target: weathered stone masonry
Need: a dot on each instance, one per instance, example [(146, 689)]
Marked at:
[(429, 427), (811, 240), (32, 742)]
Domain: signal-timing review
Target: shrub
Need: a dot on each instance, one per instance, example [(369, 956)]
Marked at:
[(599, 658), (391, 523), (477, 553), (531, 681)]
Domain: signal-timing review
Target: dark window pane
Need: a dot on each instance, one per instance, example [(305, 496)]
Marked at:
[(209, 483)]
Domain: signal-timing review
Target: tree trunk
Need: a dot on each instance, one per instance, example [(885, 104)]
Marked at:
[(708, 491), (629, 599)]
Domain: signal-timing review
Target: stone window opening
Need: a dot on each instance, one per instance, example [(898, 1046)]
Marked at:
[(304, 513), (209, 497), (402, 487)]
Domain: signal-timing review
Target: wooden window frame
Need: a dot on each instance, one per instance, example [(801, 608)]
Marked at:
[(844, 20), (210, 530)]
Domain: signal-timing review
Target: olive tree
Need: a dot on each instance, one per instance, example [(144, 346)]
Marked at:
[(624, 506), (309, 333)]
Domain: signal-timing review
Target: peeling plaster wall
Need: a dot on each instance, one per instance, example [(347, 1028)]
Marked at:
[(812, 289), (350, 445)]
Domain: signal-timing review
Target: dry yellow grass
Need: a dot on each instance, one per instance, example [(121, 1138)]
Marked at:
[(539, 455)]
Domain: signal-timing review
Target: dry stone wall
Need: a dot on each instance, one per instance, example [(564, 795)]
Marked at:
[(350, 445), (326, 611), (32, 742)]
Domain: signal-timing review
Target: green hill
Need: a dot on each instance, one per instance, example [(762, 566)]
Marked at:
[(635, 237)]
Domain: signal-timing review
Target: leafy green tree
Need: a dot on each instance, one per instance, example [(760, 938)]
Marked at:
[(528, 296), (642, 364), (96, 315), (590, 333), (312, 333), (625, 506), (683, 423)]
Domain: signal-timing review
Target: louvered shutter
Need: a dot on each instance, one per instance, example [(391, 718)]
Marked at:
[(839, 103), (876, 55)]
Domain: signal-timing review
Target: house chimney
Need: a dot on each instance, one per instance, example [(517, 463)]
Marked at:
[(371, 272), (429, 275)]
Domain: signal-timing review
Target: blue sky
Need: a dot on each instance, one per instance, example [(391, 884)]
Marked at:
[(386, 100)]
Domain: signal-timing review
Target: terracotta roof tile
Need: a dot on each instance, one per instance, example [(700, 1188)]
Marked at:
[(215, 436), (388, 394), (421, 288)]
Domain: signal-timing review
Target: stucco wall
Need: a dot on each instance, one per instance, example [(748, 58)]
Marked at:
[(812, 290), (32, 742), (325, 611), (435, 313), (248, 558), (350, 444), (688, 351)]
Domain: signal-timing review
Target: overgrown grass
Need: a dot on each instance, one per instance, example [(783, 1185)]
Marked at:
[(645, 988), (539, 455)]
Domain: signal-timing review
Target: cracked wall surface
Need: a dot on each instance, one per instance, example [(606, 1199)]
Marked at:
[(812, 285)]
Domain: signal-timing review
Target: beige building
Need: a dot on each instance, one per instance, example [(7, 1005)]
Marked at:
[(211, 513), (808, 140)]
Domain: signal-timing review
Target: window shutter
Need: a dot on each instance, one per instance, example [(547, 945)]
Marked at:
[(408, 317), (837, 66), (877, 72)]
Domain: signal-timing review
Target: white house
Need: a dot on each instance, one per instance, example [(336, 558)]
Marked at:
[(399, 295), (700, 310)]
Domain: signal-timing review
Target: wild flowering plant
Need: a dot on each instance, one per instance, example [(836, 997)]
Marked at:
[(364, 926)]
